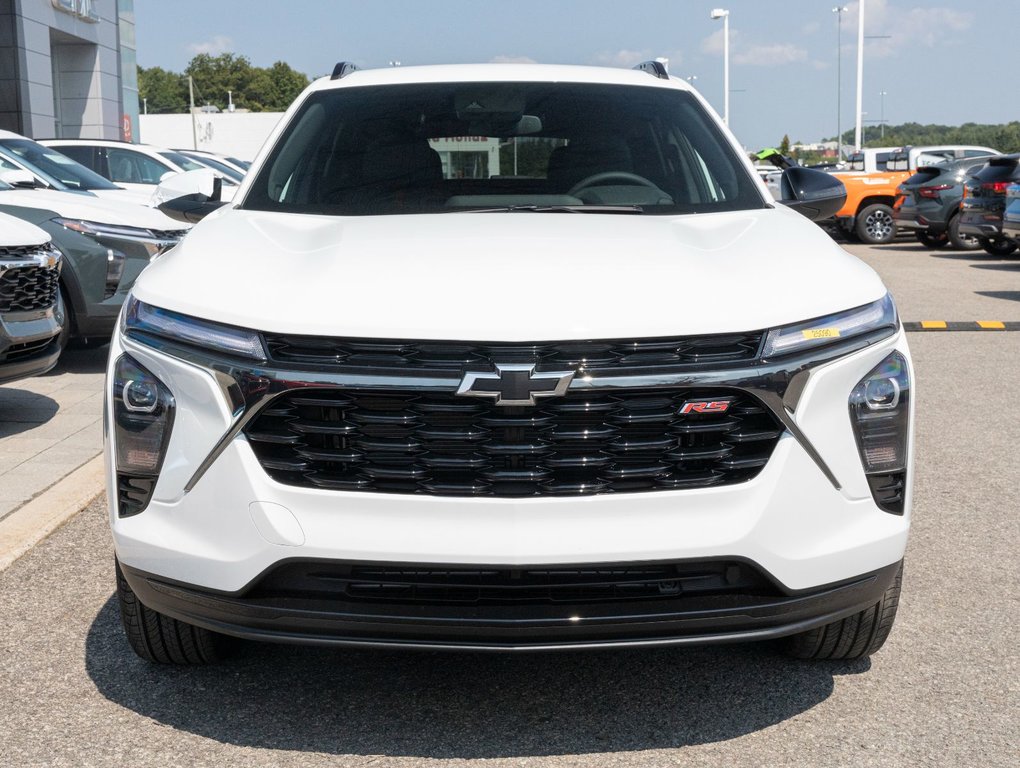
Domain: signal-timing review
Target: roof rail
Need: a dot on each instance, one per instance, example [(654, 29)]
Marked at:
[(654, 68), (342, 69)]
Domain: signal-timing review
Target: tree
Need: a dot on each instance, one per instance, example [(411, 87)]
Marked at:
[(784, 145), (163, 91), (256, 88)]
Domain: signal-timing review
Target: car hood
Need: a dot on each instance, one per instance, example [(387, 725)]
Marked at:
[(14, 233), (133, 196), (508, 276), (88, 208)]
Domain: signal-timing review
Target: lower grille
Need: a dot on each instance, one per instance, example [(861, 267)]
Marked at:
[(24, 289), (25, 351), (492, 586), (580, 444)]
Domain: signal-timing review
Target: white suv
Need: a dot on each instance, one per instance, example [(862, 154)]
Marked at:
[(508, 357)]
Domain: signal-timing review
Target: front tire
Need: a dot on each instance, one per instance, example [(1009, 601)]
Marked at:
[(853, 637), (998, 246), (875, 224), (161, 639)]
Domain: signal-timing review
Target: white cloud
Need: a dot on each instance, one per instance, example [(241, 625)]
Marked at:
[(713, 44), (512, 60), (770, 55), (925, 26), (219, 44)]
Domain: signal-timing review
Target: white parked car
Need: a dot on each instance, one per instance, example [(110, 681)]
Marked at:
[(31, 314), (54, 170), (137, 167), (620, 397)]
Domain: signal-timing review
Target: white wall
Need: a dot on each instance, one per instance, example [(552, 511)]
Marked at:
[(238, 134)]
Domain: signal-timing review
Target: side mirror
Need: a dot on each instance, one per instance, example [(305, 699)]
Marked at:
[(812, 193), (189, 196), (19, 178)]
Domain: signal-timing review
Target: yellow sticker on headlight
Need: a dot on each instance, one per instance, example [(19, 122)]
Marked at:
[(821, 333)]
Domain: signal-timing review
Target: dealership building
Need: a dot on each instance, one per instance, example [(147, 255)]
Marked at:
[(68, 68)]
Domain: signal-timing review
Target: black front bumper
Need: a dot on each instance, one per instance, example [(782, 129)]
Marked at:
[(755, 608)]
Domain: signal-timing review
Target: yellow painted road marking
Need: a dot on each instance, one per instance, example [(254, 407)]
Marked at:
[(933, 324), (992, 324)]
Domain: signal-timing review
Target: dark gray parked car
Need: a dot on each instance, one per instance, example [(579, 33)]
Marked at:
[(929, 203), (984, 202)]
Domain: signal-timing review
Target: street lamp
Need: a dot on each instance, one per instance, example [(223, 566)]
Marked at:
[(721, 13), (881, 114), (839, 10), (691, 78)]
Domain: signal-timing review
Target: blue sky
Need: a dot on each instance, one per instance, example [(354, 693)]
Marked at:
[(944, 61)]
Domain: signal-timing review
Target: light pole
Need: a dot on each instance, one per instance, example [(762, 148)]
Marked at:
[(839, 10), (860, 73), (691, 78), (881, 114), (721, 13)]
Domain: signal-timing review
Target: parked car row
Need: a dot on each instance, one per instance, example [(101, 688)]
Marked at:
[(873, 186), (73, 238)]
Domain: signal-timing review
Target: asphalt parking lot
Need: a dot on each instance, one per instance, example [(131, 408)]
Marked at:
[(944, 691)]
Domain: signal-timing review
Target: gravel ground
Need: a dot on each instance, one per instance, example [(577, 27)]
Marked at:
[(944, 690)]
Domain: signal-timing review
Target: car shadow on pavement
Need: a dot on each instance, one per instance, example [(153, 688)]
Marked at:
[(1008, 266), (466, 706), (1004, 295), (90, 359), (22, 410)]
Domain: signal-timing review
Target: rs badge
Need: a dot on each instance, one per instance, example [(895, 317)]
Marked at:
[(706, 406)]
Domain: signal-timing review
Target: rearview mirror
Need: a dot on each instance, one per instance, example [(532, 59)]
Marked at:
[(189, 196), (815, 194), (19, 178)]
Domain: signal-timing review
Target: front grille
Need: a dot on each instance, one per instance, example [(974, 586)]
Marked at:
[(582, 443), (24, 289), (502, 586), (22, 251), (445, 356), (169, 234)]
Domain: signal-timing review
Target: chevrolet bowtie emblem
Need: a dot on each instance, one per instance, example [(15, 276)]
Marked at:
[(515, 384)]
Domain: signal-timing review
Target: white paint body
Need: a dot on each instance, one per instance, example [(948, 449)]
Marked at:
[(470, 276), (15, 233)]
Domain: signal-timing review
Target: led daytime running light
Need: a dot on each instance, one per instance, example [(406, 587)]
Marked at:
[(142, 318), (831, 328)]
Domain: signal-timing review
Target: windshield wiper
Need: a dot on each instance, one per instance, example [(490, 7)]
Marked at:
[(554, 209)]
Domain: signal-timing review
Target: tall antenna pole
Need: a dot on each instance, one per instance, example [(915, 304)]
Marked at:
[(191, 101), (860, 73)]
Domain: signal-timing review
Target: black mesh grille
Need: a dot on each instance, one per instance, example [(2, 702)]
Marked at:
[(444, 356), (25, 351), (21, 251), (495, 585), (24, 289), (579, 444)]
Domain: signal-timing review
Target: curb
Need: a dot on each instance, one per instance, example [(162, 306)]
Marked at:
[(24, 528)]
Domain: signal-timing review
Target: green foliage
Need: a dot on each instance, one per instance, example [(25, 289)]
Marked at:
[(532, 156), (260, 89), (1005, 137), (784, 145), (164, 91)]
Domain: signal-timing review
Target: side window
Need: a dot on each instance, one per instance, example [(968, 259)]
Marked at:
[(882, 160), (133, 167), (975, 153), (83, 155)]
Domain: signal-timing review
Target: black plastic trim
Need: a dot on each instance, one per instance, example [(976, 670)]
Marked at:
[(630, 624)]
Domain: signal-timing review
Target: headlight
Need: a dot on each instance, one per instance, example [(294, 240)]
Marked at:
[(143, 415), (880, 414), (832, 328), (153, 243), (142, 320)]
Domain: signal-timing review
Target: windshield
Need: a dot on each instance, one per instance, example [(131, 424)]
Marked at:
[(58, 170), (502, 146)]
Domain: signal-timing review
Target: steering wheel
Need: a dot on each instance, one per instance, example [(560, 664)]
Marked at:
[(599, 178)]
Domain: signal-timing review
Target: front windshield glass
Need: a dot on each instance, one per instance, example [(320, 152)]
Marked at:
[(57, 169), (426, 148)]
